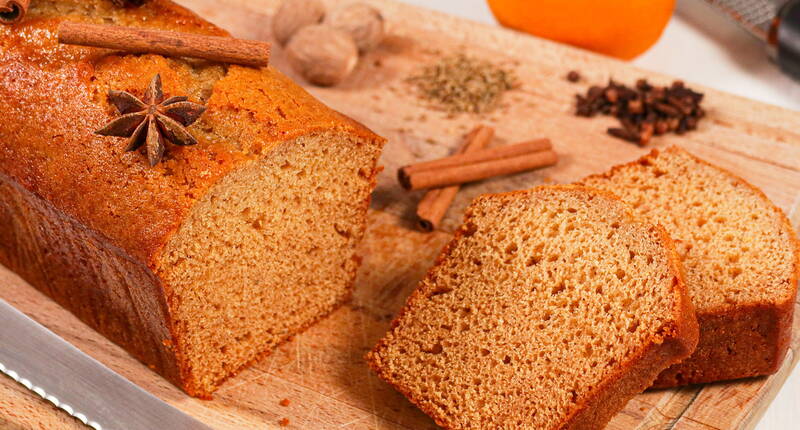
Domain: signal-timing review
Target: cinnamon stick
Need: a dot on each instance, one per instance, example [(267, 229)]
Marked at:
[(496, 153), (482, 170), (434, 205), (169, 43), (12, 11)]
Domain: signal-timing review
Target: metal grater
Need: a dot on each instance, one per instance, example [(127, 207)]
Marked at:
[(756, 16), (775, 22)]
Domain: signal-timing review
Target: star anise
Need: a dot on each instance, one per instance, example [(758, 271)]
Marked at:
[(152, 121)]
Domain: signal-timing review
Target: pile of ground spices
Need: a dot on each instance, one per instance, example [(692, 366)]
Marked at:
[(459, 83)]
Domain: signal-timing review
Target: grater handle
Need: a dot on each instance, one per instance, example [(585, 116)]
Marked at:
[(788, 38)]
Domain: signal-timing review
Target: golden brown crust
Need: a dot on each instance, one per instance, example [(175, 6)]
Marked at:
[(674, 342), (750, 340), (80, 270), (53, 98)]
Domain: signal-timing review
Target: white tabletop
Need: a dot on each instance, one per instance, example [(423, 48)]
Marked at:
[(701, 46)]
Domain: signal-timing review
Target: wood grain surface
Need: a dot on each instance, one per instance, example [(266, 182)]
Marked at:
[(321, 372)]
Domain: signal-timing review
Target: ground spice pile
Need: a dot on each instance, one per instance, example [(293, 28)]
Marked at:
[(459, 83), (645, 110)]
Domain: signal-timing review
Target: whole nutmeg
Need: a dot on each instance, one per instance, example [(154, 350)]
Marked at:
[(363, 22), (322, 54), (294, 15)]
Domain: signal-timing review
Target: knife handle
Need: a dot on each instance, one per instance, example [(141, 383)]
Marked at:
[(787, 38)]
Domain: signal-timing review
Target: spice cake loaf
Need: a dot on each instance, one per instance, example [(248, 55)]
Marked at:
[(549, 309), (740, 254), (206, 261)]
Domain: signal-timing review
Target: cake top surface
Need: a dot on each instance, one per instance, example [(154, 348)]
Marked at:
[(542, 298), (54, 98), (737, 248)]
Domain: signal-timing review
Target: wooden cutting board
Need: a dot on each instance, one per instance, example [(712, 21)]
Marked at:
[(322, 372)]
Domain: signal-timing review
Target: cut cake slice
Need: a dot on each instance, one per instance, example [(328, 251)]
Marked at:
[(740, 254), (549, 309)]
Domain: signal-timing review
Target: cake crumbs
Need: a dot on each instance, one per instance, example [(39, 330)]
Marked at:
[(284, 402), (284, 422), (459, 83)]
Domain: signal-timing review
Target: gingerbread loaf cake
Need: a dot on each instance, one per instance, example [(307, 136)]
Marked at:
[(549, 309), (206, 261), (739, 252)]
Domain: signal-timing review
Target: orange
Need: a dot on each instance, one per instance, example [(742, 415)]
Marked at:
[(620, 28)]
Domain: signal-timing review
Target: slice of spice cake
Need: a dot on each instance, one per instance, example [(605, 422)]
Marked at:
[(549, 309)]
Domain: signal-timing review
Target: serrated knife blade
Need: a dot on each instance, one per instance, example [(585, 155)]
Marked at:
[(80, 385)]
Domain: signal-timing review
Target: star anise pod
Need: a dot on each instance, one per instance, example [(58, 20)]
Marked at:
[(153, 121)]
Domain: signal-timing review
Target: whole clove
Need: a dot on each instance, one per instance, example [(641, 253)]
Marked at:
[(645, 110), (573, 76)]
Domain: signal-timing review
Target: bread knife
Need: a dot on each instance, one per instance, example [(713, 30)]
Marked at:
[(774, 22), (58, 372)]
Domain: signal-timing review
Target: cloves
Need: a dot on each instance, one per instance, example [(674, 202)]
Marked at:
[(645, 110)]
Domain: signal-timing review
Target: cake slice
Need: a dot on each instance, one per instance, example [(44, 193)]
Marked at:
[(549, 309), (740, 254)]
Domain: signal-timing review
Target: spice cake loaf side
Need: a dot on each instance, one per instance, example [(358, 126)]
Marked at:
[(740, 254), (209, 259), (549, 309)]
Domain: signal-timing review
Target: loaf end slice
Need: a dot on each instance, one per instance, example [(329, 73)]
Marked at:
[(549, 309), (740, 254)]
